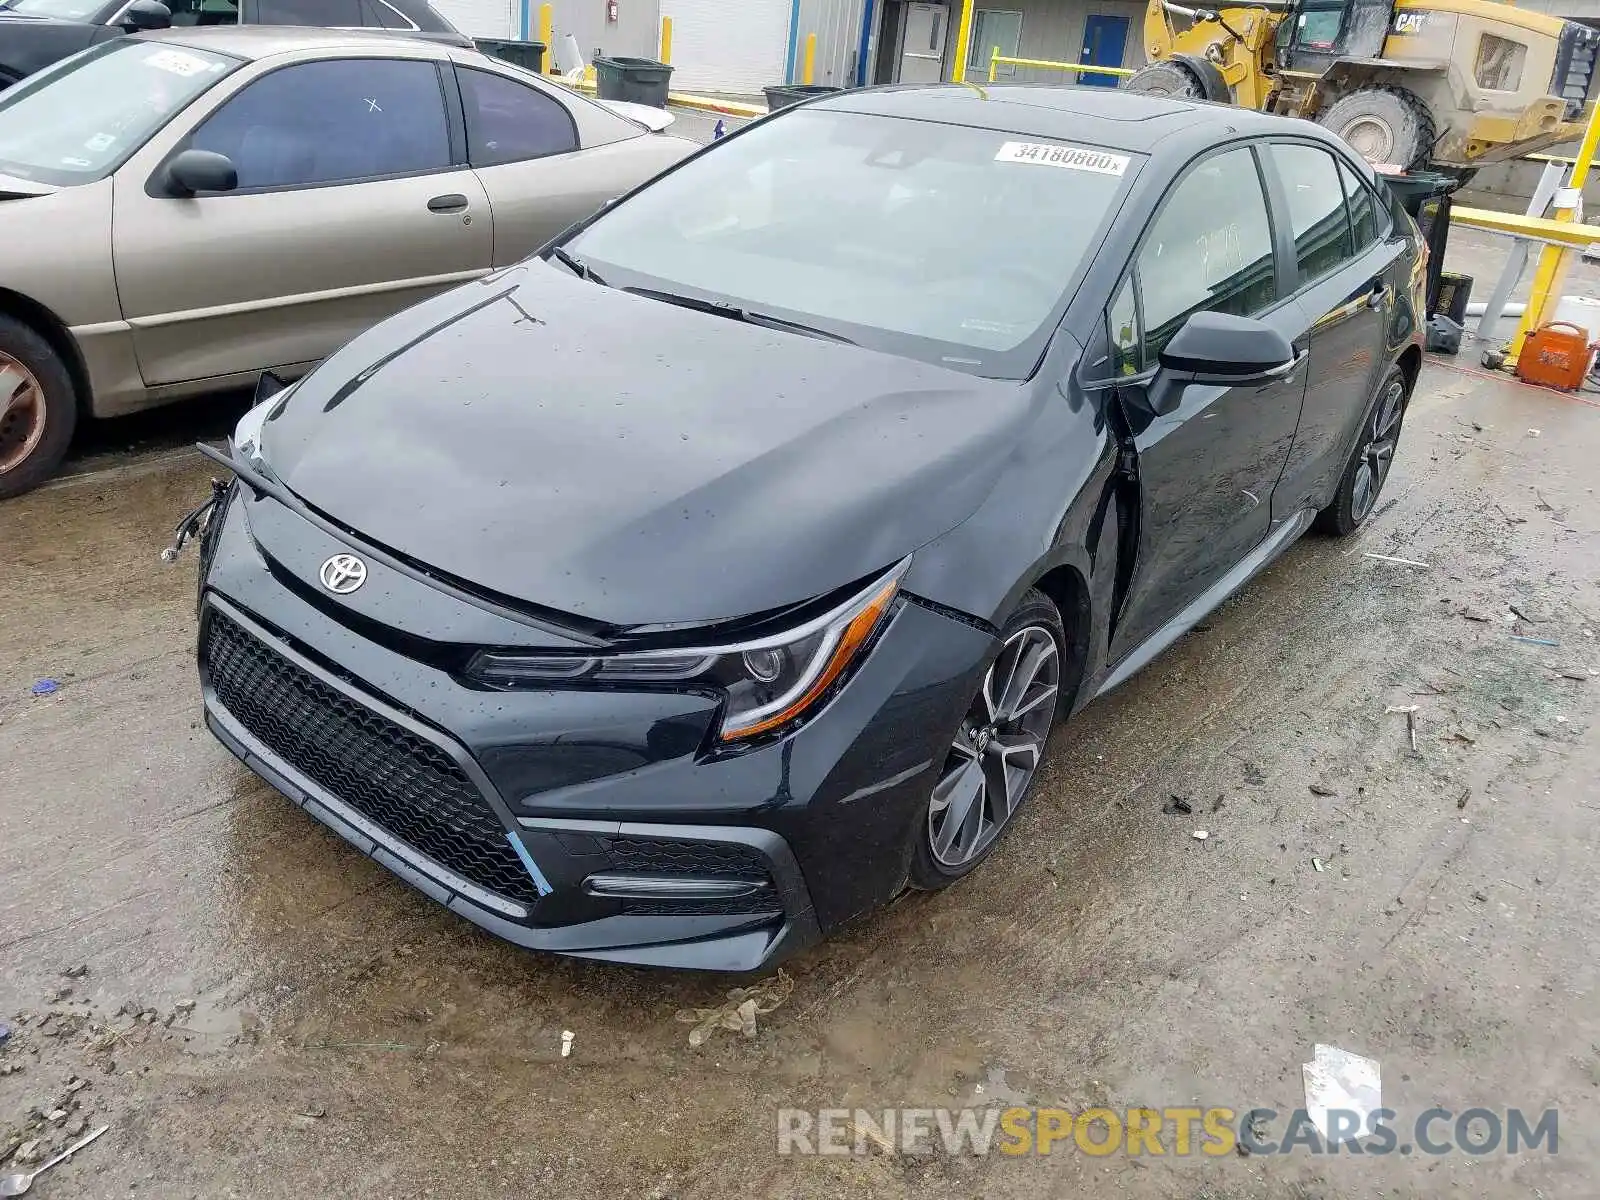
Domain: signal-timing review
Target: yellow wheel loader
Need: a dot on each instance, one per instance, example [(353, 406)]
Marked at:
[(1451, 84)]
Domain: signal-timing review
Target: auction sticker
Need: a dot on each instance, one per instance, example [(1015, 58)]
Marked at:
[(179, 63), (1073, 158)]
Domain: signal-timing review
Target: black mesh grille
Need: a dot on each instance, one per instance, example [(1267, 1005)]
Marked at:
[(725, 860), (718, 860), (395, 779)]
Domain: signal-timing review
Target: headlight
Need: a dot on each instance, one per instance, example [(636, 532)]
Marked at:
[(769, 682)]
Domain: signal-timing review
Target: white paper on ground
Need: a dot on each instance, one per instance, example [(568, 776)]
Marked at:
[(1337, 1079)]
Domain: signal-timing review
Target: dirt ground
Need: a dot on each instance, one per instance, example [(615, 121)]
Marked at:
[(256, 1010)]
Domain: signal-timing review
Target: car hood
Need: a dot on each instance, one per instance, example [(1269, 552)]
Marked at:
[(30, 43), (14, 187), (632, 462)]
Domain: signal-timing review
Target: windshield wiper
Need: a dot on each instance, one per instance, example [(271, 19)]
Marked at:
[(735, 313), (576, 265)]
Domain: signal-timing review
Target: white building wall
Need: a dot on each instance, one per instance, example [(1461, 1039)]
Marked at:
[(734, 46), (484, 18)]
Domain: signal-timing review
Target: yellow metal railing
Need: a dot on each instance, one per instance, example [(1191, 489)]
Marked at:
[(998, 60)]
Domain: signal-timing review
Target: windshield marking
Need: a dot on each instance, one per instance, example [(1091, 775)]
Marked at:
[(179, 63), (1072, 158)]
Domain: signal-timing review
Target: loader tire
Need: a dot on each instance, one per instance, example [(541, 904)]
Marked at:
[(1166, 79), (1383, 125)]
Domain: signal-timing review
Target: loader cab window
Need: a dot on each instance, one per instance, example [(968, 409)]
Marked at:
[(1317, 28)]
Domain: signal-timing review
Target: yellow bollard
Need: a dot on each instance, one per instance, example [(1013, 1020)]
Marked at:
[(810, 60), (1551, 274), (958, 73), (666, 40), (547, 24)]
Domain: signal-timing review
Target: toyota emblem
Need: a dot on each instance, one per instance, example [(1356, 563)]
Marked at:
[(343, 574)]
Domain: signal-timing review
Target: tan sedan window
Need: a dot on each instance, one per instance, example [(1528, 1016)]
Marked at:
[(333, 121)]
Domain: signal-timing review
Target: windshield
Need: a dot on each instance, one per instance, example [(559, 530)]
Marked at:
[(952, 245), (79, 120), (67, 10)]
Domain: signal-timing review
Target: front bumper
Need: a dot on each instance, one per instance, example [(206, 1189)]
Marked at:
[(584, 823)]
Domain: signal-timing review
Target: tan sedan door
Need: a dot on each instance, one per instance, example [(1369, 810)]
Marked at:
[(548, 158), (353, 202)]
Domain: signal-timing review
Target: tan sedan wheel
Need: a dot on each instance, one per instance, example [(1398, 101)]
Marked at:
[(38, 409), (22, 413)]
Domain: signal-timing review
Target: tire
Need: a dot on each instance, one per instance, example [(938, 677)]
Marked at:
[(1165, 79), (38, 409), (1369, 463), (994, 756), (1383, 125)]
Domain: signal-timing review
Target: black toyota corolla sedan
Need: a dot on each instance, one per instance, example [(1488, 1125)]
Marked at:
[(700, 583)]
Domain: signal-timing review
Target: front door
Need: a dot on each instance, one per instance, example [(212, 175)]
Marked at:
[(349, 207), (1208, 467), (1104, 39), (922, 44)]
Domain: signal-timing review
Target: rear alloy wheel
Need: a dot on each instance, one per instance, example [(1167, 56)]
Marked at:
[(995, 753), (1368, 468), (38, 409)]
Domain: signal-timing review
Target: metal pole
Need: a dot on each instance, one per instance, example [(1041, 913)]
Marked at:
[(1517, 260)]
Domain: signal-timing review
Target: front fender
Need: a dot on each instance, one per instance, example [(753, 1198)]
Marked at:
[(1052, 510)]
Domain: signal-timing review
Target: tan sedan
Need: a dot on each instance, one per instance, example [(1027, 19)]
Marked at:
[(186, 209)]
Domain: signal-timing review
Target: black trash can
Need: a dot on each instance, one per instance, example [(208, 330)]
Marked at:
[(636, 80), (1426, 196), (527, 55), (793, 93)]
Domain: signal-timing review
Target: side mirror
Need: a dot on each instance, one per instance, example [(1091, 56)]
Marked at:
[(195, 171), (1227, 351), (145, 14)]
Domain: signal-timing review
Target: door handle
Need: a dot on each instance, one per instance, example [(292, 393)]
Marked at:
[(1379, 296), (453, 203)]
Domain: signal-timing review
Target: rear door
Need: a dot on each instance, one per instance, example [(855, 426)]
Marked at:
[(354, 201), (1207, 469), (1346, 255), (524, 144)]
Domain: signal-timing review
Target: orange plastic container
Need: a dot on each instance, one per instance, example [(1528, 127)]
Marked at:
[(1555, 355)]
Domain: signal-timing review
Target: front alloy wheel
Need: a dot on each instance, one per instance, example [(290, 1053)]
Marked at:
[(996, 750)]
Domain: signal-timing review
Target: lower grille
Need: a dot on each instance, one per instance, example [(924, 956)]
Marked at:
[(388, 774), (709, 860)]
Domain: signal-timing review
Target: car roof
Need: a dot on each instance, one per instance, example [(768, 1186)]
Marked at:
[(252, 42), (1100, 116)]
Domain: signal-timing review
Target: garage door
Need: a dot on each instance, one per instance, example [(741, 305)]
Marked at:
[(727, 45), (484, 18)]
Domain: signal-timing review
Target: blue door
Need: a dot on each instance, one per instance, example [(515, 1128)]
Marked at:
[(1103, 41)]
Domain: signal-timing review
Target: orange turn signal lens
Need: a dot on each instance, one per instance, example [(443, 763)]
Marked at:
[(848, 643)]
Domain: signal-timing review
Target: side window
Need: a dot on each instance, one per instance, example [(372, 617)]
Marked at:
[(1209, 249), (189, 13), (1123, 319), (327, 14), (1316, 207), (375, 14), (1366, 223), (335, 121), (510, 122)]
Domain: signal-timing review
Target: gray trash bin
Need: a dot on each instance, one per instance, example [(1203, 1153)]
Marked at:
[(636, 80), (527, 55), (793, 93)]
